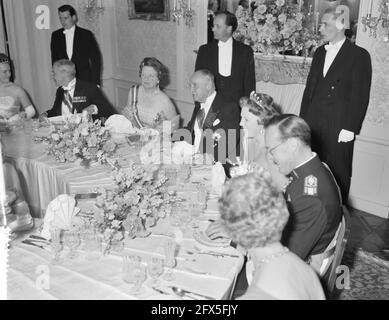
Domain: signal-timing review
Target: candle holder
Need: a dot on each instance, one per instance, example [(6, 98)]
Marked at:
[(182, 9), (372, 23)]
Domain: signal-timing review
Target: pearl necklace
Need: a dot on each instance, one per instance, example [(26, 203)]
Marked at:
[(273, 256)]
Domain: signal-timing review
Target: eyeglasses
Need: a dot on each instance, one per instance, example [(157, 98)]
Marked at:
[(271, 150)]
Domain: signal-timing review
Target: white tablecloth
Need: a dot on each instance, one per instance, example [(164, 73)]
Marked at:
[(44, 179)]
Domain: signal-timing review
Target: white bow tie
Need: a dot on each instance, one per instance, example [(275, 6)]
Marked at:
[(223, 44), (329, 47), (67, 31)]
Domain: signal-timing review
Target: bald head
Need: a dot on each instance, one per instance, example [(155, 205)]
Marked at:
[(202, 85)]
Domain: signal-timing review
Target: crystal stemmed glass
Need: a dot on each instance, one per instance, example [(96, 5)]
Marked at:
[(155, 269), (129, 262), (56, 245), (139, 276), (72, 240), (170, 259)]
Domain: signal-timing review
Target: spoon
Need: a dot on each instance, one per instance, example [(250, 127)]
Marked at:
[(181, 293)]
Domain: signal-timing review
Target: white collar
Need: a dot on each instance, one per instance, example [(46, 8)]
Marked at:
[(71, 85), (335, 46), (208, 102), (228, 43), (71, 30), (306, 161)]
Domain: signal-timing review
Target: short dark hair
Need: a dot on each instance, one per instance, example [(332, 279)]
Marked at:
[(291, 126), (231, 20), (207, 73), (160, 69), (69, 8)]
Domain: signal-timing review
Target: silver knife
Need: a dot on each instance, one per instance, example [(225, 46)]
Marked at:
[(34, 244)]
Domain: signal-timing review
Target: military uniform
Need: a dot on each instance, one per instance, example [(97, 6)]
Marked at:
[(315, 209)]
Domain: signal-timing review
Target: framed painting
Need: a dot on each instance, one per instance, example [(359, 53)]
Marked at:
[(149, 9)]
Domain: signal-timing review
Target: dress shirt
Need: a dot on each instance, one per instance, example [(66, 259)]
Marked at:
[(69, 88), (332, 52), (225, 57), (69, 35), (197, 130)]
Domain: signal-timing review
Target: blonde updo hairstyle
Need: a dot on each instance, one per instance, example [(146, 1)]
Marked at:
[(253, 211)]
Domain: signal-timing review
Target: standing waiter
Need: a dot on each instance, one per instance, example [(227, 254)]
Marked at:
[(76, 44), (336, 98), (230, 61)]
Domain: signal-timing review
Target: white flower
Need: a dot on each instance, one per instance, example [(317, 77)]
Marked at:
[(280, 3)]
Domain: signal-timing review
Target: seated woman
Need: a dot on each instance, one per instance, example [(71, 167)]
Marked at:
[(148, 105), (13, 99), (255, 110), (254, 213)]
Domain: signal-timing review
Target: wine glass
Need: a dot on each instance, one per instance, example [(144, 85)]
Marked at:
[(155, 269), (72, 240), (139, 276), (56, 245), (170, 259)]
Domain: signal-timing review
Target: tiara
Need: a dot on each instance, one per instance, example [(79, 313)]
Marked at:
[(4, 60), (255, 97)]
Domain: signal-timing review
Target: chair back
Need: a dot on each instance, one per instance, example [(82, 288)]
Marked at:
[(340, 246)]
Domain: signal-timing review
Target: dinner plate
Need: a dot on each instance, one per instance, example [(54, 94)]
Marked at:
[(203, 239)]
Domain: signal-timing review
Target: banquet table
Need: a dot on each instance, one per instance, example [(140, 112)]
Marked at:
[(31, 275)]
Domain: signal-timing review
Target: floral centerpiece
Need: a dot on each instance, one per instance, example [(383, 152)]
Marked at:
[(80, 139), (138, 199), (275, 26)]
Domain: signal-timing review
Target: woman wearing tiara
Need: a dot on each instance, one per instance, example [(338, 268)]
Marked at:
[(148, 106), (13, 99), (255, 111)]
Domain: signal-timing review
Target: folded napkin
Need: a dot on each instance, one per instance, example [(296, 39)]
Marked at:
[(182, 152), (60, 214), (218, 178), (119, 124)]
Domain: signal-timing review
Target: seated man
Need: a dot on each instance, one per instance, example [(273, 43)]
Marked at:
[(74, 95), (214, 125), (312, 195)]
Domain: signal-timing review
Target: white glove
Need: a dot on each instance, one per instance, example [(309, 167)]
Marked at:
[(92, 109), (346, 136)]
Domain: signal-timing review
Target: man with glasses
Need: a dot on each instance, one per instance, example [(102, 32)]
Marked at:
[(312, 195), (336, 97)]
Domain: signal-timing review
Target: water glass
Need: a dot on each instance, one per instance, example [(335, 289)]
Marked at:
[(72, 241), (136, 274), (129, 263), (56, 245), (170, 259), (155, 269)]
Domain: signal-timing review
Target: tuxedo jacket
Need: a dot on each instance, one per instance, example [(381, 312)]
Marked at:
[(223, 115), (86, 53), (315, 209), (242, 80), (342, 96), (85, 94)]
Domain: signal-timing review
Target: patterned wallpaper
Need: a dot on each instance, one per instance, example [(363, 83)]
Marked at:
[(378, 112)]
